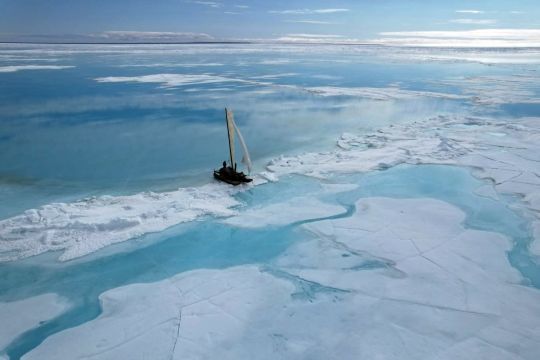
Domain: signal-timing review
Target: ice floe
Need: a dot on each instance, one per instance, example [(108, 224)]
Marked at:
[(485, 57), (413, 283), (291, 211), (22, 315), (383, 93), (497, 90), (372, 93), (83, 227), (478, 90), (509, 161), (15, 68), (169, 80)]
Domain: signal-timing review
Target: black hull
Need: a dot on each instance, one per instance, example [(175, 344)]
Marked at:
[(236, 179)]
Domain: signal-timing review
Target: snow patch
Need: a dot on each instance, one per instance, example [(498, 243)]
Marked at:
[(83, 227)]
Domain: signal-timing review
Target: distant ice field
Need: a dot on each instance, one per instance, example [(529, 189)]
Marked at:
[(122, 119), (395, 208)]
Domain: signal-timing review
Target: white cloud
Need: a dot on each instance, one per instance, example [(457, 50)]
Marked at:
[(308, 11), (241, 6), (209, 3), (474, 21), (315, 22), (470, 11), (315, 38), (328, 11)]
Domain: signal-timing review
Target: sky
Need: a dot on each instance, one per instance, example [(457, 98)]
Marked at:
[(286, 20)]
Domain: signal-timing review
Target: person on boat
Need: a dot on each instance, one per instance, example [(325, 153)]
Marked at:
[(226, 170)]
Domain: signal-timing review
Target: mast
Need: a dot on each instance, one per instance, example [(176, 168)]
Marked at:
[(230, 134)]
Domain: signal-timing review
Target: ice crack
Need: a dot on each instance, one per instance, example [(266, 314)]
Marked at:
[(177, 333)]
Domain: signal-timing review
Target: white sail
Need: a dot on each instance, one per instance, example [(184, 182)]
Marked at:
[(246, 160), (230, 129)]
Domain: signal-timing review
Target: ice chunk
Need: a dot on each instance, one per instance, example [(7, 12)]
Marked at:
[(88, 225)]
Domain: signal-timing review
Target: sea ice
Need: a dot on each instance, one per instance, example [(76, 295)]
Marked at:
[(14, 68), (86, 226), (189, 316), (284, 213), (169, 80), (509, 161), (497, 90), (20, 316), (451, 294), (401, 278), (384, 93)]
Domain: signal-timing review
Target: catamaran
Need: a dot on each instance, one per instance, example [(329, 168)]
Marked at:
[(228, 173)]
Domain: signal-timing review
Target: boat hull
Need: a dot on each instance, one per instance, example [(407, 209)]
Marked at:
[(236, 180)]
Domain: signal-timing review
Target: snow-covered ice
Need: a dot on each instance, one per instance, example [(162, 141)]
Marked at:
[(168, 80), (22, 315), (284, 213), (15, 68), (497, 90), (509, 161), (382, 93), (86, 226), (441, 291), (377, 277)]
